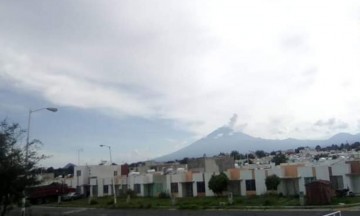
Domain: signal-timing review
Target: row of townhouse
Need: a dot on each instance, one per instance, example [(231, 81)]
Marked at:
[(98, 180)]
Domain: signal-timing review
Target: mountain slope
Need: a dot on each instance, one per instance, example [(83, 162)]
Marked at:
[(224, 139)]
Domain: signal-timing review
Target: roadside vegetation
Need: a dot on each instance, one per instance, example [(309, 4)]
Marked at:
[(16, 165), (239, 202)]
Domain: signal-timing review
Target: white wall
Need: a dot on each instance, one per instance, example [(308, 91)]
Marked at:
[(341, 169), (322, 173), (260, 177), (304, 172)]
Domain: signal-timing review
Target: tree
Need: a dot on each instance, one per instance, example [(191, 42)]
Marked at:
[(185, 160), (218, 183), (260, 154), (272, 182), (298, 149), (15, 173), (235, 154), (250, 156), (279, 158)]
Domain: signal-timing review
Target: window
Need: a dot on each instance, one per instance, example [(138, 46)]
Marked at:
[(106, 189), (78, 172), (137, 188), (115, 173), (174, 188), (308, 180), (95, 190), (200, 187), (337, 182), (250, 185)]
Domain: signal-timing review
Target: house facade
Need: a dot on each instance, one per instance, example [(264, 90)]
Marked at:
[(192, 181)]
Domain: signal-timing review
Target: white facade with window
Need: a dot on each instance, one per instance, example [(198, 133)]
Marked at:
[(249, 180)]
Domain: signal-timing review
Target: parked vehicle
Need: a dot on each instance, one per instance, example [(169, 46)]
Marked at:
[(47, 193), (71, 196)]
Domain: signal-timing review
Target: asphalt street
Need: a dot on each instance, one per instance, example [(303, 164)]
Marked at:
[(57, 211)]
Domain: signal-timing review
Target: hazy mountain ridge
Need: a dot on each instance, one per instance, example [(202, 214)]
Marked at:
[(225, 139)]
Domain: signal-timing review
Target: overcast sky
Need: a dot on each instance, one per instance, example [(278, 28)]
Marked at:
[(150, 77)]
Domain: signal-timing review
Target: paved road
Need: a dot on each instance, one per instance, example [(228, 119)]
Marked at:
[(54, 211)]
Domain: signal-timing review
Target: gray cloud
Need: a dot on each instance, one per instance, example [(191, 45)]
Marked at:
[(192, 62), (329, 122), (293, 42), (332, 123)]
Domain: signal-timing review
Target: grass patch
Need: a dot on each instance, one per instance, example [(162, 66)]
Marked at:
[(195, 203), (346, 200)]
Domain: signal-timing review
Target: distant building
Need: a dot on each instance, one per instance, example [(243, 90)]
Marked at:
[(192, 180)]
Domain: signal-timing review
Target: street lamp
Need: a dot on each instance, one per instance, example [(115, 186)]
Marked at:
[(52, 109), (113, 182)]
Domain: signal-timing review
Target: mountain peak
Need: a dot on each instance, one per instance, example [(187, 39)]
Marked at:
[(224, 130), (344, 137), (226, 139)]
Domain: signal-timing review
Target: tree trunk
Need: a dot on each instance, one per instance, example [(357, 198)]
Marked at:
[(3, 212)]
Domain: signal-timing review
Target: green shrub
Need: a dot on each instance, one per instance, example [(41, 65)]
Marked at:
[(93, 202), (268, 202), (164, 195), (188, 206), (140, 205), (110, 202), (131, 193)]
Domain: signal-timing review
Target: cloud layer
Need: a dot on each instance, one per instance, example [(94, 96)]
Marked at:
[(279, 65)]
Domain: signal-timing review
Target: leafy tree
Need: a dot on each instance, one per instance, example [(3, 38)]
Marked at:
[(298, 149), (250, 156), (235, 154), (272, 182), (260, 154), (279, 158), (218, 183), (50, 170), (273, 153), (185, 160), (248, 162), (16, 174), (242, 156)]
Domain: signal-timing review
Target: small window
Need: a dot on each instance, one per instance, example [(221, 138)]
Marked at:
[(115, 173), (137, 188), (250, 185), (106, 189), (78, 173), (174, 188), (200, 187), (308, 180), (337, 182)]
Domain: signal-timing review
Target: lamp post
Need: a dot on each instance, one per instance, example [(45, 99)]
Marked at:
[(52, 109), (113, 178)]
